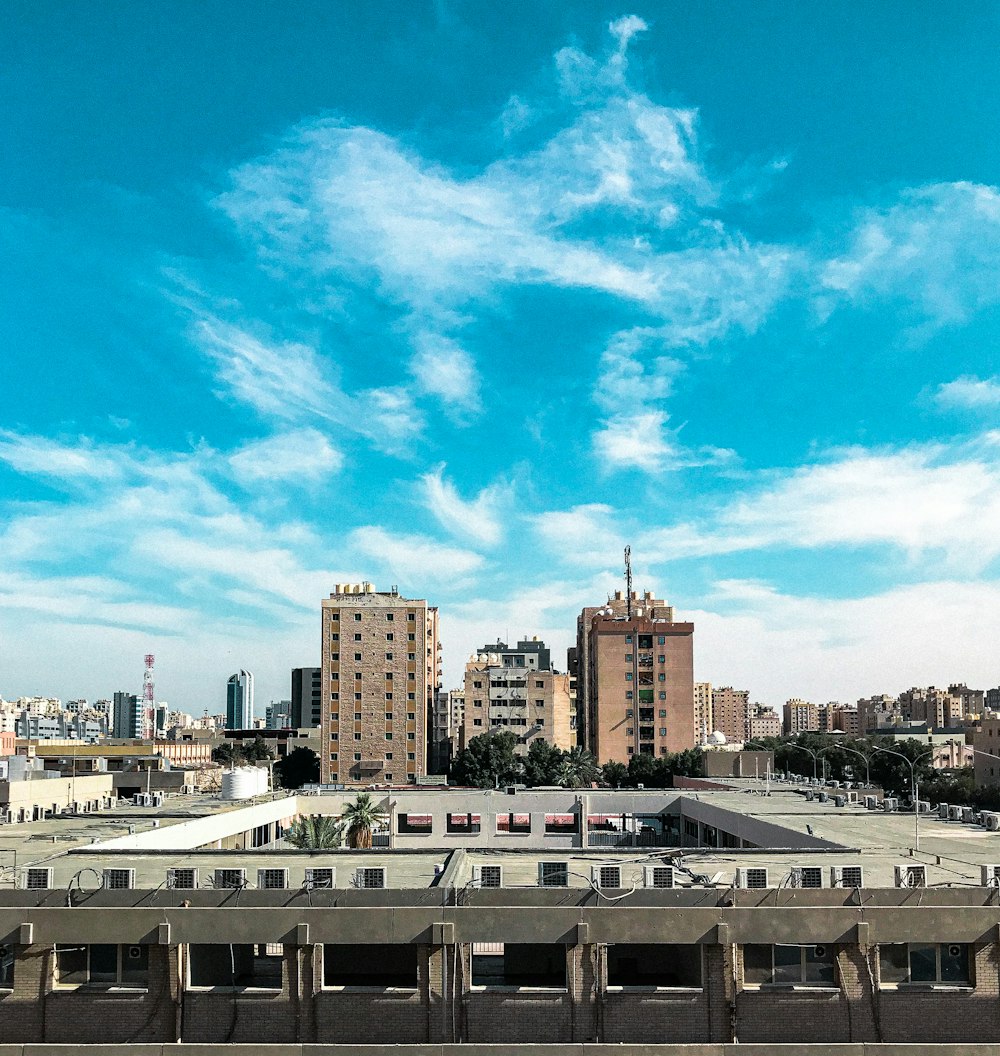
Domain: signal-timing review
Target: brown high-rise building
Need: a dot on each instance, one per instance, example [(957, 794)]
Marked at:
[(729, 711), (637, 675), (381, 671)]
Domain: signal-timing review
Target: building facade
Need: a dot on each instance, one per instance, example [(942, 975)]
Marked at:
[(307, 697), (379, 677), (703, 719), (129, 717), (640, 683), (729, 710), (762, 721), (239, 701), (800, 717)]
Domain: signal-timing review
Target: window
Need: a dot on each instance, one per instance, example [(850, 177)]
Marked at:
[(629, 694), (561, 824), (6, 966), (663, 713), (411, 637), (465, 824), (628, 639), (662, 659), (390, 617), (539, 685), (661, 677), (373, 965), (357, 617), (519, 964), (661, 639), (513, 823), (628, 658), (411, 656), (389, 637), (388, 716), (414, 824), (788, 965), (102, 964), (553, 874), (253, 965), (357, 656), (388, 656), (660, 965), (411, 616), (628, 676), (334, 615), (388, 736), (335, 656), (924, 962), (645, 641), (411, 716), (663, 731)]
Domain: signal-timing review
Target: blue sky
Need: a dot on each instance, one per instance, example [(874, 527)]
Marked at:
[(464, 297)]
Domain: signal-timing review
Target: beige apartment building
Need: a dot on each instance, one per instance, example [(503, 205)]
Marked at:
[(762, 721), (640, 683), (380, 673), (729, 710), (508, 690), (800, 716)]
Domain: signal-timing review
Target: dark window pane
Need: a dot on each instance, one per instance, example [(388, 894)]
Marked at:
[(135, 965), (103, 963), (894, 965), (954, 962), (923, 962), (817, 965), (6, 966), (659, 965), (787, 964), (757, 966), (388, 965), (71, 964)]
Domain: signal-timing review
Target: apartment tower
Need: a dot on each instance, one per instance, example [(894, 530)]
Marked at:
[(380, 673), (239, 701), (637, 676)]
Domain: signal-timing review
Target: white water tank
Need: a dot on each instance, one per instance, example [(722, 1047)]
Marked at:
[(244, 782)]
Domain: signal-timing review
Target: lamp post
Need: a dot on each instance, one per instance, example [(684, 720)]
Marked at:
[(803, 748), (853, 751), (915, 785)]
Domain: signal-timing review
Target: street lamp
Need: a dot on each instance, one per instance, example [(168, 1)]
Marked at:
[(815, 755), (853, 751), (915, 785)]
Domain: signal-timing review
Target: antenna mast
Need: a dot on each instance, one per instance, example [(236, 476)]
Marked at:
[(148, 702), (628, 581)]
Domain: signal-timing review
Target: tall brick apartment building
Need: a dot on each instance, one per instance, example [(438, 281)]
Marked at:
[(639, 680), (380, 673)]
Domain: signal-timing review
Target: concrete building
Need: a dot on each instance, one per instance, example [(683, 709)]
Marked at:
[(618, 605), (800, 717), (877, 712), (278, 715), (129, 718), (307, 696), (532, 703), (704, 722), (762, 721), (640, 683), (381, 671), (439, 747), (729, 711), (239, 701)]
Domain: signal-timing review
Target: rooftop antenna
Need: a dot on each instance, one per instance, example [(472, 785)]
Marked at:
[(628, 582)]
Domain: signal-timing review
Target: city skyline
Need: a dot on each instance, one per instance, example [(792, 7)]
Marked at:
[(461, 303)]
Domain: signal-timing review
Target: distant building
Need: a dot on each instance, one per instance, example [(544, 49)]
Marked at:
[(729, 711), (800, 717), (762, 721), (307, 697), (440, 742), (239, 701), (129, 716), (703, 720), (380, 675), (278, 715)]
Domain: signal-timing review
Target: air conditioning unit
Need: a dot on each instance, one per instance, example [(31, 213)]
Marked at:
[(230, 878), (954, 813), (991, 875), (911, 875), (36, 878), (822, 797), (661, 876), (370, 876), (840, 801), (606, 875), (968, 815), (943, 809), (157, 799), (487, 876), (183, 878), (871, 802), (923, 807), (846, 876), (991, 820), (806, 876), (119, 879), (751, 877), (852, 797), (272, 879), (810, 795), (323, 878), (890, 805)]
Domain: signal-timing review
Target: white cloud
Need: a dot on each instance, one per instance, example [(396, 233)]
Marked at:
[(41, 456), (920, 500), (584, 535), (412, 558), (444, 369), (478, 519), (780, 645), (968, 393), (300, 457), (938, 246)]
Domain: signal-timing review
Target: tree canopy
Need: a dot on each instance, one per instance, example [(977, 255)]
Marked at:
[(300, 767)]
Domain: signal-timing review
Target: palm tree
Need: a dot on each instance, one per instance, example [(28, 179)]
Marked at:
[(361, 817), (315, 832), (578, 768)]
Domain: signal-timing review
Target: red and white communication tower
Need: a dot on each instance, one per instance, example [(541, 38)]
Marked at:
[(148, 701)]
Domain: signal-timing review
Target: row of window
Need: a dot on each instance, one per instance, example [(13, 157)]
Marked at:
[(388, 656), (390, 616), (335, 676), (334, 695), (411, 716), (390, 637), (529, 965), (661, 677)]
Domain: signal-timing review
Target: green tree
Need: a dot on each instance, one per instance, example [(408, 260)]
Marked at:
[(614, 774), (488, 761), (542, 763), (360, 818), (300, 767), (228, 754), (641, 770), (687, 763), (578, 768), (315, 832), (257, 751)]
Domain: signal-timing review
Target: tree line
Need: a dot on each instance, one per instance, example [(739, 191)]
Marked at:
[(490, 760)]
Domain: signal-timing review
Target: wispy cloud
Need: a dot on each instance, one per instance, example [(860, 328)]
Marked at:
[(443, 368), (296, 458), (968, 393), (412, 558), (478, 519), (584, 535)]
